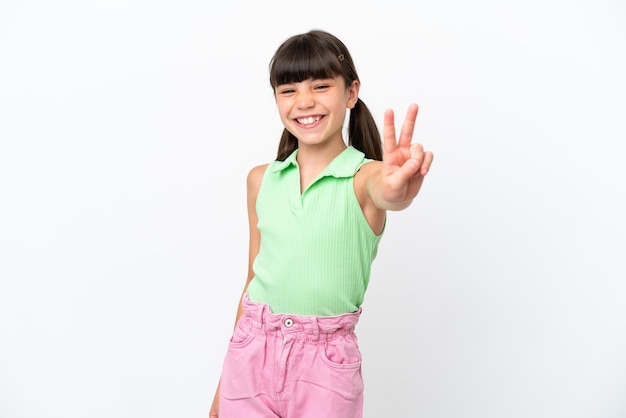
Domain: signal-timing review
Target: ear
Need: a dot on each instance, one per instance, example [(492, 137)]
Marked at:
[(353, 94)]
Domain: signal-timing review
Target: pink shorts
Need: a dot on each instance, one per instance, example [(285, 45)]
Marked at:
[(290, 366)]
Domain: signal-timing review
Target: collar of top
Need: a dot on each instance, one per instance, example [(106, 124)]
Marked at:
[(343, 165)]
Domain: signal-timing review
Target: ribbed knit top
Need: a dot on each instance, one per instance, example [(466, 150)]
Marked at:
[(316, 247)]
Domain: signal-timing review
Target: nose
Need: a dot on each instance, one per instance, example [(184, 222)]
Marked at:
[(305, 100)]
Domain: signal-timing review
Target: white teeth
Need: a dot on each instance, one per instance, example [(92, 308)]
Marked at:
[(308, 121)]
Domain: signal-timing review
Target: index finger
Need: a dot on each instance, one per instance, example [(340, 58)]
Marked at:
[(389, 131)]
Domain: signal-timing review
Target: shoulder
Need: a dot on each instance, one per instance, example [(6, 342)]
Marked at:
[(367, 171), (370, 166), (364, 176), (255, 176)]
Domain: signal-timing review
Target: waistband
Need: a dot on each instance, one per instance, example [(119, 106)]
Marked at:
[(260, 316)]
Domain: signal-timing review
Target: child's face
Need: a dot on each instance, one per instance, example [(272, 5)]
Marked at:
[(314, 110)]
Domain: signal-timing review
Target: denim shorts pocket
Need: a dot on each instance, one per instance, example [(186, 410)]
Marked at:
[(243, 333), (341, 352)]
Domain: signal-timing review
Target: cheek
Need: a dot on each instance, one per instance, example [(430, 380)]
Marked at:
[(283, 108), (284, 115)]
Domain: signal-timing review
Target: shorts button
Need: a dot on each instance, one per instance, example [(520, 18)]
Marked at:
[(288, 322)]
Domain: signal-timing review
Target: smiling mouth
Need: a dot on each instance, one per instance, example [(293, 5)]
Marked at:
[(311, 120)]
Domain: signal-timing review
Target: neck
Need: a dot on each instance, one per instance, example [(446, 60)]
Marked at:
[(318, 156)]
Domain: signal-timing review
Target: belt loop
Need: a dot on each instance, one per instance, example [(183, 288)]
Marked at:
[(315, 328), (254, 310)]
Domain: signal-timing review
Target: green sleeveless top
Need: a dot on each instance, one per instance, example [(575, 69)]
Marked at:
[(316, 247)]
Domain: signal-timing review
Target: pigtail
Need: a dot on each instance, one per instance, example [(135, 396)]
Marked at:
[(288, 144), (363, 133)]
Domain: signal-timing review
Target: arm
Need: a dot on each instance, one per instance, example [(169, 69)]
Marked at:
[(253, 184)]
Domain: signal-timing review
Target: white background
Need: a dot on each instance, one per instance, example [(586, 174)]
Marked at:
[(127, 128)]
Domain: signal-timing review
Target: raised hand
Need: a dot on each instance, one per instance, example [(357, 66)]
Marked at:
[(404, 164)]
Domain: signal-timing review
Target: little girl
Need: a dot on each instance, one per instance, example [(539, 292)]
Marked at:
[(316, 216)]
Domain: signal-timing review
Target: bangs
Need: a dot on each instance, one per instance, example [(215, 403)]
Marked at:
[(303, 60)]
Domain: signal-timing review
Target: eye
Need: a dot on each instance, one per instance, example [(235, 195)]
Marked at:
[(323, 84), (285, 91)]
